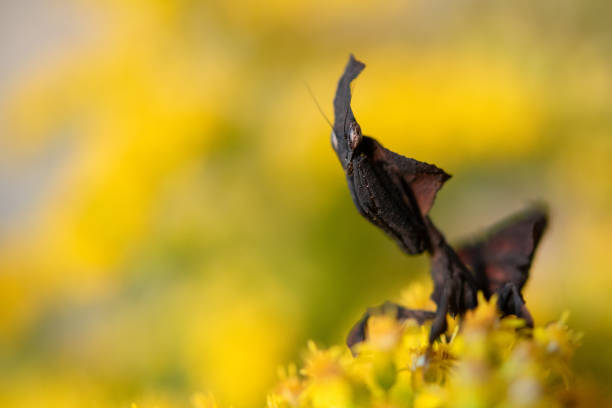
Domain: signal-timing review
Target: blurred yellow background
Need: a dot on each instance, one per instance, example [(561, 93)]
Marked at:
[(173, 218)]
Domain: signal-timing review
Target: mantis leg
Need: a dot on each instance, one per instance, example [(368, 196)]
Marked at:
[(439, 323), (358, 333)]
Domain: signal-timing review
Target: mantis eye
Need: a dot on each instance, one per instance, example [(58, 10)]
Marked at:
[(354, 135)]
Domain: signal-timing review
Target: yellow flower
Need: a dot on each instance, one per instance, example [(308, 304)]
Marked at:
[(323, 364), (486, 361), (485, 316), (288, 389), (384, 332)]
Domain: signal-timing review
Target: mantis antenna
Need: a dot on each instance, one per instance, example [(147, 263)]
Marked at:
[(314, 99)]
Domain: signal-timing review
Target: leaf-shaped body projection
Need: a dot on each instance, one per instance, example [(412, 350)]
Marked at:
[(502, 259)]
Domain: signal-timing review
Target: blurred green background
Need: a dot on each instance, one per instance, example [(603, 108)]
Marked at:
[(173, 218)]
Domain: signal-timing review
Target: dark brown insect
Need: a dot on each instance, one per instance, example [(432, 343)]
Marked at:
[(395, 193)]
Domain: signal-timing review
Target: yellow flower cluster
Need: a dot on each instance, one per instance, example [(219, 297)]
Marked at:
[(482, 361)]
